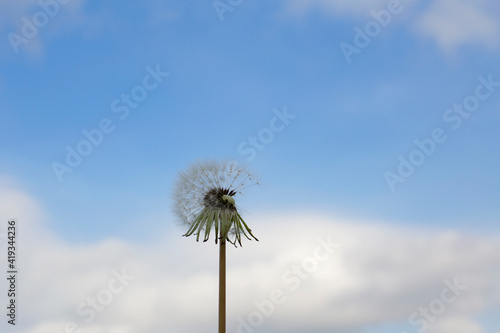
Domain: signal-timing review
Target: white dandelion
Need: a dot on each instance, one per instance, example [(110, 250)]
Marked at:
[(204, 200)]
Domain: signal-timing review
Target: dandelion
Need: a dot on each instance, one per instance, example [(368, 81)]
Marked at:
[(204, 200)]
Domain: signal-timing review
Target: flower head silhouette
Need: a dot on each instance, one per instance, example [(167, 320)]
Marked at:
[(204, 199)]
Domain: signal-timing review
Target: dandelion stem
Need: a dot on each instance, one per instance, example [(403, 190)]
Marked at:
[(222, 285)]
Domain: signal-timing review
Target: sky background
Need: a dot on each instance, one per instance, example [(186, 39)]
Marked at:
[(319, 98)]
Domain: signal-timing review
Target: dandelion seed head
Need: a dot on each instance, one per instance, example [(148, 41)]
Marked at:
[(204, 198)]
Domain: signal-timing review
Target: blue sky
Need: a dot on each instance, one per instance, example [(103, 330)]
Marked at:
[(352, 118)]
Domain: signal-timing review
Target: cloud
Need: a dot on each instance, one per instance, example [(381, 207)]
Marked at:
[(456, 324), (456, 23), (451, 24), (308, 273)]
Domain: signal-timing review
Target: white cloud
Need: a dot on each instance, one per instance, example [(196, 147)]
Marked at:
[(451, 24), (379, 273), (455, 23)]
